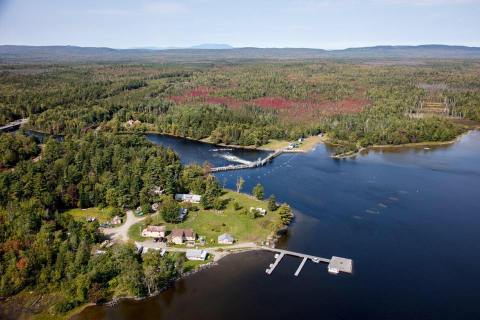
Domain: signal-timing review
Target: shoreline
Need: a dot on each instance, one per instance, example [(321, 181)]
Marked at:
[(380, 147), (170, 284)]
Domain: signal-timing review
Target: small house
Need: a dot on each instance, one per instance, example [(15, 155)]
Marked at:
[(225, 239), (191, 198), (195, 254), (181, 236), (154, 232)]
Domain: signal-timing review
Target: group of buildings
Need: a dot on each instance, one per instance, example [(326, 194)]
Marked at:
[(184, 236), (181, 236)]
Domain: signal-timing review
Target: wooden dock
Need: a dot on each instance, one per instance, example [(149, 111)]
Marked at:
[(254, 164), (335, 265), (275, 264)]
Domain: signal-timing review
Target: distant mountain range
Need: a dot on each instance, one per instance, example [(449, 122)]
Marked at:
[(199, 46), (211, 52)]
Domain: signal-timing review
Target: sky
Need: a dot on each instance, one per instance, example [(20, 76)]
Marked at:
[(326, 24)]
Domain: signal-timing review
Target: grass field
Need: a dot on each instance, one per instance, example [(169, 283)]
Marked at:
[(190, 265), (212, 223), (102, 215)]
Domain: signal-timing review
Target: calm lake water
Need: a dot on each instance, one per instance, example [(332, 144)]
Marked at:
[(409, 219)]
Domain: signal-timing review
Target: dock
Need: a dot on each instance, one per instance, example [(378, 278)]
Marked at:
[(300, 267), (275, 264), (335, 264), (254, 164)]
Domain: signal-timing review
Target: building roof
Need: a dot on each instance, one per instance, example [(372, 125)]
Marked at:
[(177, 233), (340, 264), (156, 228), (187, 197), (196, 253), (225, 237), (187, 233)]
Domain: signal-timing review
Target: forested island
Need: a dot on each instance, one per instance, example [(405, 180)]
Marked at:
[(103, 160)]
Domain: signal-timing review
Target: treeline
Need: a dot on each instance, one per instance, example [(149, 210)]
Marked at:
[(246, 126), (388, 122)]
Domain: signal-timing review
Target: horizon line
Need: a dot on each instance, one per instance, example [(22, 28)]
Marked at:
[(193, 47)]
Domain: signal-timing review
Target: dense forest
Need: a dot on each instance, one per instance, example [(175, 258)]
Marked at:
[(42, 248), (357, 103)]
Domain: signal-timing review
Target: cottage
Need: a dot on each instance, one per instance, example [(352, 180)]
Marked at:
[(192, 198), (195, 254), (260, 211), (225, 239), (154, 232), (116, 220), (181, 236)]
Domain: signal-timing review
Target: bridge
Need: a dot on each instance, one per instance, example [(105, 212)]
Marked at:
[(335, 264), (14, 125), (255, 164)]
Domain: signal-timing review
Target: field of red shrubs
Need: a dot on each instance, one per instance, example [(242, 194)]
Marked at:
[(286, 107)]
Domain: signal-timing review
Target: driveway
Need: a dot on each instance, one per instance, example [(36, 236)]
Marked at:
[(121, 232)]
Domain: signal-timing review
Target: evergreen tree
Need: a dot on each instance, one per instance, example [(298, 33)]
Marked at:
[(258, 191), (272, 203)]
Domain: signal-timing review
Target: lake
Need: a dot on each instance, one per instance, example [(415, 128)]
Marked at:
[(409, 218)]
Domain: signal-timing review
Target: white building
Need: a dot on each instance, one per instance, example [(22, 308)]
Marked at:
[(195, 254), (192, 198), (154, 232), (225, 239), (260, 211)]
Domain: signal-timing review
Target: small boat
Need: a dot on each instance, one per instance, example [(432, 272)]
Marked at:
[(426, 148)]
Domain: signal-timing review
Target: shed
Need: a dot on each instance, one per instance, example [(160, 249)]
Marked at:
[(225, 239), (196, 254)]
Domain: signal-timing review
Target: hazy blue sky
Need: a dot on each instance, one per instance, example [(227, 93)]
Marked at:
[(264, 23)]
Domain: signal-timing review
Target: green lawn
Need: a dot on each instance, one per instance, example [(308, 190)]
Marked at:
[(190, 265), (102, 215), (135, 232), (211, 223)]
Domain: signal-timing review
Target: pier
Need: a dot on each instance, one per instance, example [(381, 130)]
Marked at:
[(254, 164), (335, 264), (14, 125)]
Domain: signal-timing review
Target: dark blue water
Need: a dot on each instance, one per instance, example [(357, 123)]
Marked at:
[(409, 219), (198, 152)]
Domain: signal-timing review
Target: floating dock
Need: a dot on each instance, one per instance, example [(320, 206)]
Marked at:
[(335, 264)]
